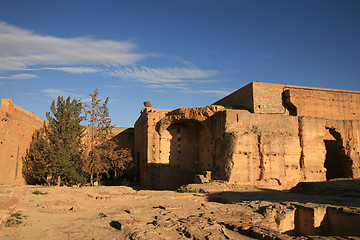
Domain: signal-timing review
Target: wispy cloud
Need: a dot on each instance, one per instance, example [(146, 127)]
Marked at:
[(26, 50), (163, 75), (21, 76), (20, 48), (54, 93), (76, 70), (216, 92), (186, 88)]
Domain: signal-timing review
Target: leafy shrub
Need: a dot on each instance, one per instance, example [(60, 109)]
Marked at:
[(186, 189), (14, 220), (37, 192)]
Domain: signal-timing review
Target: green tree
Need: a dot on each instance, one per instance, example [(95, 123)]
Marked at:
[(36, 162), (55, 151), (64, 133), (99, 132)]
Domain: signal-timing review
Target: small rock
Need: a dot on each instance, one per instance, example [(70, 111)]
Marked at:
[(116, 225)]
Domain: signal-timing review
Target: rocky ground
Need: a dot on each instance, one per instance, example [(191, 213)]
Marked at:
[(208, 211)]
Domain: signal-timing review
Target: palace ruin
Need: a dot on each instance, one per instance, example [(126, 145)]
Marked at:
[(268, 135)]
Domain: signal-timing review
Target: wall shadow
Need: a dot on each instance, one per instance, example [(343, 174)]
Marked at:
[(337, 163), (276, 196)]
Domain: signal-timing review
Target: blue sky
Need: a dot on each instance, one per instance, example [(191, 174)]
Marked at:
[(172, 53)]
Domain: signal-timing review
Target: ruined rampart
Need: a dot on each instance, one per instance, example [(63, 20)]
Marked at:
[(281, 99), (16, 129), (240, 147), (272, 135)]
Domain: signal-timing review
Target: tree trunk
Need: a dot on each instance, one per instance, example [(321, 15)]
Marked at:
[(59, 180), (97, 177), (92, 179)]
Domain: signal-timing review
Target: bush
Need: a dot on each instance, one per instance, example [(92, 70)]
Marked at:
[(186, 189)]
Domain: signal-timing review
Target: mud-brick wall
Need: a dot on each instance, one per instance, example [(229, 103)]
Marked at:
[(326, 103), (312, 133), (123, 137), (330, 148), (281, 150), (240, 99), (146, 144), (348, 137), (259, 149), (179, 145), (268, 98), (16, 129)]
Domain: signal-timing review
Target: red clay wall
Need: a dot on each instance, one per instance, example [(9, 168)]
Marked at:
[(261, 149), (124, 137), (147, 143), (279, 149), (237, 146), (240, 99), (268, 98), (16, 129), (327, 103), (171, 146)]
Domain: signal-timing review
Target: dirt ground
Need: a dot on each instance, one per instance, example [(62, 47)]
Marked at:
[(213, 211)]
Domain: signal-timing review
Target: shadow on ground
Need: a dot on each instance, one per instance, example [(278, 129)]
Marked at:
[(337, 192)]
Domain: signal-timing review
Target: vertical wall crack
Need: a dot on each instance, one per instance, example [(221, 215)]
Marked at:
[(301, 141), (261, 158)]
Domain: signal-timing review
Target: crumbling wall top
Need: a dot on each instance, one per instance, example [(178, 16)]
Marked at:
[(7, 105), (199, 114)]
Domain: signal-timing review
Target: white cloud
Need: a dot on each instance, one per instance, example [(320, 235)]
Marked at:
[(20, 76), (25, 50), (154, 86), (163, 75), (216, 92), (21, 49), (76, 70), (51, 92)]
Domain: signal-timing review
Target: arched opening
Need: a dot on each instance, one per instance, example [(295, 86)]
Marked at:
[(186, 148), (337, 163), (184, 145)]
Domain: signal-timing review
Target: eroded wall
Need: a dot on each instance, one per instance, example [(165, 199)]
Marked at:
[(326, 103), (270, 150), (260, 149), (147, 146), (172, 146), (16, 129), (268, 98), (284, 150), (240, 99), (123, 137)]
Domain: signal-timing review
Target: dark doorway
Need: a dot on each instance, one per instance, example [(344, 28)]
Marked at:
[(184, 149), (337, 163)]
